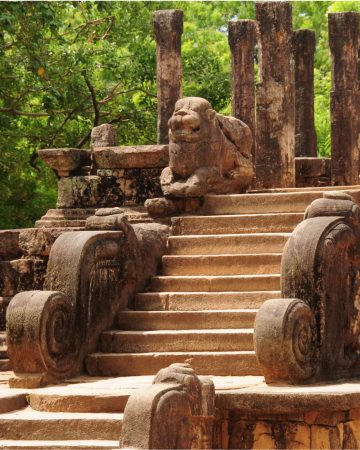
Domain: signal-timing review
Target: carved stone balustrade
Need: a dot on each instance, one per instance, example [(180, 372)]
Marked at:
[(177, 411), (91, 275), (313, 332)]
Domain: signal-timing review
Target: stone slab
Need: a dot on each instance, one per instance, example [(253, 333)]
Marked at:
[(55, 426), (9, 244), (65, 160), (132, 157), (12, 401), (284, 399), (59, 445)]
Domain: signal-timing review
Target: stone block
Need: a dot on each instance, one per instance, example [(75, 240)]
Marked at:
[(323, 437), (38, 241), (103, 136), (312, 171), (65, 161), (122, 187), (30, 273), (9, 244), (8, 279), (4, 302), (132, 157), (90, 191)]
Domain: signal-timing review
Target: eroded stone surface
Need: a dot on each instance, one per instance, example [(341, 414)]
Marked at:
[(208, 152), (177, 411), (134, 157), (344, 97), (305, 134), (242, 39), (323, 341), (103, 136), (65, 161), (275, 121), (168, 28)]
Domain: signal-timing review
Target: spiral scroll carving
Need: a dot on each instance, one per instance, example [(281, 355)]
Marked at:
[(41, 334), (58, 339), (285, 340)]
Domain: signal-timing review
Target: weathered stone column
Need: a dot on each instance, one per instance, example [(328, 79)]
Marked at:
[(275, 122), (345, 99), (168, 27), (305, 134), (242, 40)]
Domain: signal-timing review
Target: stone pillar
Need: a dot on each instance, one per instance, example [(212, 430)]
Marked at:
[(345, 98), (305, 134), (242, 40), (168, 28), (275, 121)]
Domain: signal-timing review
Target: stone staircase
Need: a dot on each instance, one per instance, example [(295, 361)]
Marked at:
[(221, 266)]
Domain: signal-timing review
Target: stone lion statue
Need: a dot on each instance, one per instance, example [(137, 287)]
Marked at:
[(209, 153)]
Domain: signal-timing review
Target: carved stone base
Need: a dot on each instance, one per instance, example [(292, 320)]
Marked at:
[(166, 207)]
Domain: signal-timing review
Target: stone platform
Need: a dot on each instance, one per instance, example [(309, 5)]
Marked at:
[(86, 413)]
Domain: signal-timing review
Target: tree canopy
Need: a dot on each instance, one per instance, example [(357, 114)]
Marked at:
[(68, 66)]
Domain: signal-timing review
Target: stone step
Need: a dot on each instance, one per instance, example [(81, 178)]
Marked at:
[(269, 202), (86, 394), (215, 283), (227, 244), (236, 224), (263, 263), (40, 425), (59, 445), (184, 320), (238, 363), (205, 340), (198, 301)]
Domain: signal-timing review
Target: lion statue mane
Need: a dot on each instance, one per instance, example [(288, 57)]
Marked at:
[(208, 152)]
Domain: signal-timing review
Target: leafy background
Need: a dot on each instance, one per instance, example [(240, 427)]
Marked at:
[(53, 53)]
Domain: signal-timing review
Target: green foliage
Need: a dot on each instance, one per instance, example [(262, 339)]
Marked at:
[(51, 52)]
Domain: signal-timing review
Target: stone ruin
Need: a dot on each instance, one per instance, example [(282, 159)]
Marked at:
[(65, 281)]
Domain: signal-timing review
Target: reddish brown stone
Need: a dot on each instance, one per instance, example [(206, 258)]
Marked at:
[(344, 36), (9, 244), (275, 122), (305, 134), (208, 152), (313, 171), (242, 40), (132, 157), (168, 28)]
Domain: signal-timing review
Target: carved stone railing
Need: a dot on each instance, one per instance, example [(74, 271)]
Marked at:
[(313, 332), (91, 275), (176, 411)]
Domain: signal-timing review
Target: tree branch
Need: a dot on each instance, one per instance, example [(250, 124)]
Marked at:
[(16, 112), (93, 98)]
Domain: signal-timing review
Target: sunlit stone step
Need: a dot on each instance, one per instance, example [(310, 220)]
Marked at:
[(274, 201), (203, 340), (263, 263), (227, 244), (42, 425), (197, 301), (240, 363), (215, 283), (183, 320), (236, 224), (59, 445)]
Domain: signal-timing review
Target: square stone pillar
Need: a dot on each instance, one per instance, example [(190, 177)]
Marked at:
[(242, 39), (168, 28), (305, 134), (344, 35), (275, 120)]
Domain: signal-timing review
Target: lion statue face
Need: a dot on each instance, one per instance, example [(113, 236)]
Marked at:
[(192, 120)]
